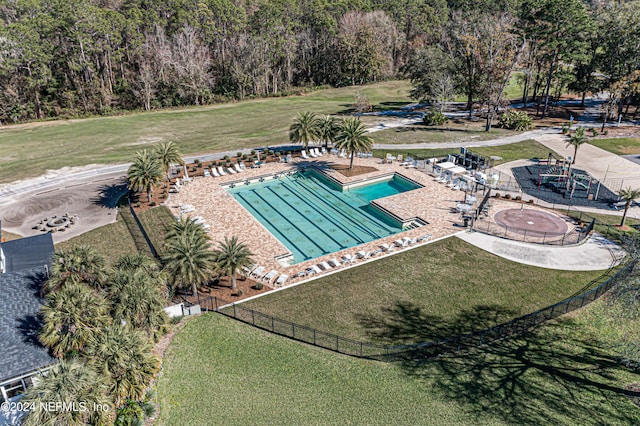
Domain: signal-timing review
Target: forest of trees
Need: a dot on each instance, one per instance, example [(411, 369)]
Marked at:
[(66, 58)]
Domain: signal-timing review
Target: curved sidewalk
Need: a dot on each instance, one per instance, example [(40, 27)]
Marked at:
[(596, 254)]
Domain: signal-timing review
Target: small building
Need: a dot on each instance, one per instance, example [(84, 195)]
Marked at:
[(25, 265)]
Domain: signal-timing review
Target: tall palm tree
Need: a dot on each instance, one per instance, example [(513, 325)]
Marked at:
[(576, 140), (304, 128), (70, 382), (353, 138), (628, 195), (123, 355), (328, 128), (138, 301), (80, 264), (145, 172), (135, 262), (232, 255), (72, 318), (188, 259), (168, 154)]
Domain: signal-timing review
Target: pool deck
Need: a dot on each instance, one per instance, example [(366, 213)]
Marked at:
[(433, 204)]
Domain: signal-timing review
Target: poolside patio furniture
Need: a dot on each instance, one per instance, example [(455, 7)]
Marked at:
[(270, 276), (258, 272), (231, 171), (324, 265), (334, 151), (424, 238), (343, 154), (323, 150), (304, 155), (334, 262), (313, 269), (363, 254), (237, 168), (386, 247), (300, 274), (214, 172), (282, 279), (347, 258), (206, 173), (400, 243), (242, 165), (221, 171)]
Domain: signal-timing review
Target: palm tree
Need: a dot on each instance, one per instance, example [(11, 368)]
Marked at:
[(123, 355), (304, 128), (188, 258), (328, 128), (138, 301), (353, 138), (135, 262), (576, 140), (232, 255), (144, 173), (72, 318), (70, 382), (80, 264), (628, 195), (168, 154)]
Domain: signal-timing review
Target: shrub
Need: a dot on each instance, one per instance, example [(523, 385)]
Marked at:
[(278, 154), (507, 196), (258, 286), (606, 132), (253, 152), (270, 152), (245, 156), (226, 157), (565, 129), (238, 292), (198, 162), (138, 204), (515, 120), (594, 132), (153, 203), (238, 154), (434, 118)]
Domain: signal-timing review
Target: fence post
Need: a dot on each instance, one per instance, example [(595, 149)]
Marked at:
[(524, 237), (216, 300), (253, 317), (337, 343), (314, 337), (360, 349), (273, 328), (234, 311), (293, 330)]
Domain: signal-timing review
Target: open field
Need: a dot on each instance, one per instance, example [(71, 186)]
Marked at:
[(30, 149), (220, 371), (437, 284), (620, 146), (156, 222), (419, 133), (515, 151)]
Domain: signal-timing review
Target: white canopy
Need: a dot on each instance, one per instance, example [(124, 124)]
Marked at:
[(446, 165), (457, 170)]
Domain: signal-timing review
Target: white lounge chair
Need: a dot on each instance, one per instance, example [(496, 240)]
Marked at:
[(221, 171), (333, 151), (214, 172), (282, 279), (246, 270), (386, 247), (242, 165), (258, 272), (316, 152), (230, 170), (343, 153), (323, 150), (206, 173), (270, 276), (347, 258), (334, 262), (400, 243), (304, 155), (424, 238), (313, 269), (363, 254), (324, 265), (237, 168)]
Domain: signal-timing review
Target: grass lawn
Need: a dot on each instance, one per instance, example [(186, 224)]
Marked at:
[(515, 151), (111, 241), (229, 126), (419, 133), (156, 222), (446, 286), (220, 371), (620, 146), (604, 220), (8, 236)]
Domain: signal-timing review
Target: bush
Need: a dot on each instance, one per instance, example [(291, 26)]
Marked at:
[(238, 154), (258, 286), (270, 152), (198, 162), (606, 132), (226, 157), (278, 154), (253, 152), (434, 118), (515, 120), (138, 204), (238, 292), (594, 132), (565, 129), (245, 156), (507, 196), (153, 203)]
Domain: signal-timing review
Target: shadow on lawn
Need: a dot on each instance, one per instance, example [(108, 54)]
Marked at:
[(556, 373)]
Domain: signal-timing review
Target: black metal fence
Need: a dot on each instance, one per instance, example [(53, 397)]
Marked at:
[(425, 350), (572, 237)]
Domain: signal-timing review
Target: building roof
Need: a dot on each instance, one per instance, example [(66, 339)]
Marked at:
[(20, 303), (28, 253)]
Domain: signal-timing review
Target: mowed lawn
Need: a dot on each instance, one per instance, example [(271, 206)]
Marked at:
[(419, 133), (220, 371), (515, 151), (620, 146), (445, 288), (30, 149)]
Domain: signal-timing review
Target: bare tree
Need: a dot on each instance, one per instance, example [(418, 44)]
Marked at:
[(191, 63)]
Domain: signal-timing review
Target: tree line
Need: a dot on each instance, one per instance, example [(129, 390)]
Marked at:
[(76, 57)]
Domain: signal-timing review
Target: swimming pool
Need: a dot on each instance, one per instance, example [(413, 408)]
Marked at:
[(313, 216)]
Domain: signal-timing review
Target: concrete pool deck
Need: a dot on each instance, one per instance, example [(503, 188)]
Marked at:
[(434, 203)]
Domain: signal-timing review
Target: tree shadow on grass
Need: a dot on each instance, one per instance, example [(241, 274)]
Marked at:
[(557, 374)]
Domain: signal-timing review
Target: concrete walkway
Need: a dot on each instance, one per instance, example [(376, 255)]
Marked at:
[(596, 254)]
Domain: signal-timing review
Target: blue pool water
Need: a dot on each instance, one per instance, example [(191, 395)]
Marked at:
[(312, 217)]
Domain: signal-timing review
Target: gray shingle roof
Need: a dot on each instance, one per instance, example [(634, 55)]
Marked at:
[(20, 351), (28, 253)]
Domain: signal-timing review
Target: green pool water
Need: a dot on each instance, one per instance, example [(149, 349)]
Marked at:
[(312, 216)]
